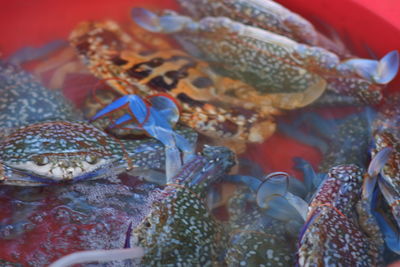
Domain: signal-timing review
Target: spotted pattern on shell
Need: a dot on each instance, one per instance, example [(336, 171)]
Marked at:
[(335, 240), (386, 134), (62, 150), (349, 144), (271, 62), (341, 188), (266, 14), (180, 230), (254, 239), (24, 100), (331, 234)]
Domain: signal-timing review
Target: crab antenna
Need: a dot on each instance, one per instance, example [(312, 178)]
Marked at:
[(99, 256)]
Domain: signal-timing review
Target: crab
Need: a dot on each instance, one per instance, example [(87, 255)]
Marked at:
[(345, 192), (179, 229), (228, 110), (50, 143), (267, 232), (271, 62), (385, 130), (331, 234)]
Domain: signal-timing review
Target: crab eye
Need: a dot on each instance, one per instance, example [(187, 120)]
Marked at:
[(91, 159), (41, 160)]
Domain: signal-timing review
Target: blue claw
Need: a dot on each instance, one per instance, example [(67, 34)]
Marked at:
[(381, 72), (387, 68), (146, 19), (391, 196), (273, 195), (374, 168), (278, 207), (389, 231), (157, 120), (167, 108), (275, 184), (379, 161)]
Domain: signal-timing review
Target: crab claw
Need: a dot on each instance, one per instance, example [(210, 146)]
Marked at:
[(387, 68), (374, 168), (273, 195), (381, 72), (162, 24), (157, 120), (390, 231)]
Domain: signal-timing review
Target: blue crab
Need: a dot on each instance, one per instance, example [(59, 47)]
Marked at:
[(331, 234), (386, 136), (49, 142), (179, 228), (266, 234), (346, 196), (274, 63)]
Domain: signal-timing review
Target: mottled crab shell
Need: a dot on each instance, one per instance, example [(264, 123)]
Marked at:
[(264, 14), (386, 134), (180, 230), (24, 100), (331, 235), (59, 150)]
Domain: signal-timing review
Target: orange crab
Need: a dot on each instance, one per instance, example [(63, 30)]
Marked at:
[(229, 111)]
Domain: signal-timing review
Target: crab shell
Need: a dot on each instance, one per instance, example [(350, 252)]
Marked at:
[(59, 150), (24, 100), (331, 235), (179, 228)]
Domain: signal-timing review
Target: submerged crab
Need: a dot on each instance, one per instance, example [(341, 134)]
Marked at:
[(50, 152), (386, 136), (272, 62), (48, 144), (331, 233), (179, 228)]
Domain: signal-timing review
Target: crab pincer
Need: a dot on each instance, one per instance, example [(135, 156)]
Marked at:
[(156, 116), (387, 138)]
